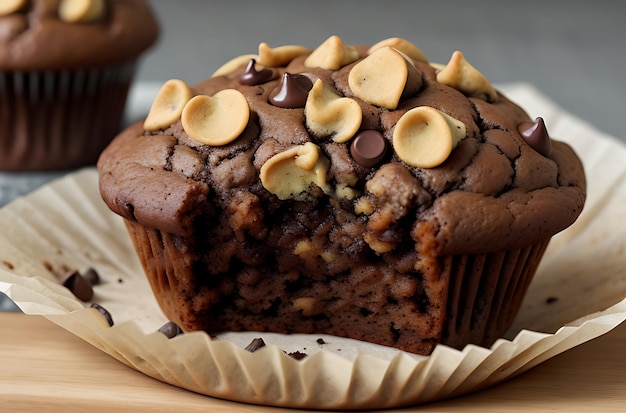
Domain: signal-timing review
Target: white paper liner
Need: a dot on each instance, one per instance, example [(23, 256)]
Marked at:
[(578, 294)]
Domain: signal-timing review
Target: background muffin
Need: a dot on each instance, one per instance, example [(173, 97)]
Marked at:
[(357, 191), (65, 70)]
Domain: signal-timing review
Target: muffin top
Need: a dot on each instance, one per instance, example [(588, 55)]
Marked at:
[(60, 34), (387, 138)]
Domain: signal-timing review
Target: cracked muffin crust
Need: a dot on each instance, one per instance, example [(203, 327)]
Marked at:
[(357, 191)]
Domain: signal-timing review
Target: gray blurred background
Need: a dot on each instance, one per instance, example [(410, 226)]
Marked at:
[(573, 51)]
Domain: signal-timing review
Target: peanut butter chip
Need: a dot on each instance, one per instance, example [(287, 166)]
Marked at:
[(332, 55), (216, 120), (279, 56), (424, 137), (305, 304), (11, 6), (437, 66), (461, 75), (328, 114), (81, 11), (401, 45), (384, 77), (167, 105), (290, 174)]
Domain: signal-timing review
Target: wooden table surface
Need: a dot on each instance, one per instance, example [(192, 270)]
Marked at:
[(44, 367)]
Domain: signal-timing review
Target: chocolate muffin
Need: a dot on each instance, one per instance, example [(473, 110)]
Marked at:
[(65, 70), (356, 191)]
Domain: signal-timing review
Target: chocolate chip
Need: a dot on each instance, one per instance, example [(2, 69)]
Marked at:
[(292, 91), (78, 285), (368, 148), (252, 77), (536, 135), (298, 355), (92, 276), (320, 341), (255, 344), (170, 329), (104, 312)]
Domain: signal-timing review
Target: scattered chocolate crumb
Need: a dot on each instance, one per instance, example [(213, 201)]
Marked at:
[(48, 266), (120, 281), (104, 313), (255, 344), (297, 355), (551, 300), (78, 285), (170, 329), (320, 341), (8, 265)]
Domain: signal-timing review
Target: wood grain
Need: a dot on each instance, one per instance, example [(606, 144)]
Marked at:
[(45, 367)]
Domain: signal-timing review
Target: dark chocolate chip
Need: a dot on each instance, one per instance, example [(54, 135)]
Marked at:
[(320, 341), (170, 329), (536, 135), (252, 77), (292, 91), (298, 355), (78, 285), (368, 148), (255, 344), (107, 316), (92, 276)]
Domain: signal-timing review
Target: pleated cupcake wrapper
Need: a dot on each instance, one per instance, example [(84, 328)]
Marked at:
[(577, 294), (486, 292), (60, 119)]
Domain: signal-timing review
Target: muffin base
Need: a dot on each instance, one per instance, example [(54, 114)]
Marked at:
[(485, 293), (51, 120), (469, 299)]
